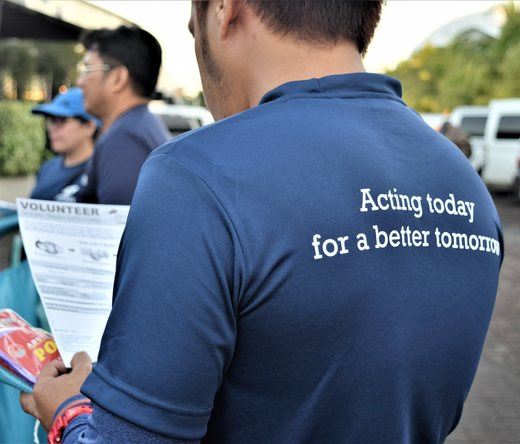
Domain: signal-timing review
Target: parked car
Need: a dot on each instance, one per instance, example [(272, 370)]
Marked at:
[(472, 120), (181, 118), (501, 144)]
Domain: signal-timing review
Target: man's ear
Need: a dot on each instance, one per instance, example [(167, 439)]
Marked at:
[(120, 78), (227, 14)]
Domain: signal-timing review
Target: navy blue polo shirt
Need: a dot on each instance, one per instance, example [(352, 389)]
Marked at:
[(320, 268), (55, 181), (119, 155)]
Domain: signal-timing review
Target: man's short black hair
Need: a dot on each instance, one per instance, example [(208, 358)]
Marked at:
[(317, 21), (133, 47)]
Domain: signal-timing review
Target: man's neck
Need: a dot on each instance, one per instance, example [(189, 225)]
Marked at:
[(275, 64), (119, 107)]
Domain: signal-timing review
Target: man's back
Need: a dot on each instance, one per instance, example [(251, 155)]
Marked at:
[(324, 269), (119, 155)]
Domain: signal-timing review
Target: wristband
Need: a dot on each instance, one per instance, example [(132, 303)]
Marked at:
[(64, 419)]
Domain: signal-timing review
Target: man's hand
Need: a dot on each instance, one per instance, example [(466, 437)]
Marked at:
[(55, 386)]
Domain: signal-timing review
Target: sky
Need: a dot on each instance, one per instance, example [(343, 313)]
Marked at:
[(405, 24)]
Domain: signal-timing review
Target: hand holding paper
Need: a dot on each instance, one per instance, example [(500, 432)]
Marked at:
[(55, 385)]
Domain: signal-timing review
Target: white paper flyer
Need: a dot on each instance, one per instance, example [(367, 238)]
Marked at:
[(72, 251)]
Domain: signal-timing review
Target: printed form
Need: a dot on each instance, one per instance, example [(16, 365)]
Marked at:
[(72, 251)]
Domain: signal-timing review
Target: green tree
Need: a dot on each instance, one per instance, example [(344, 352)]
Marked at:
[(509, 71), (22, 139), (56, 63), (53, 62), (472, 69), (19, 61)]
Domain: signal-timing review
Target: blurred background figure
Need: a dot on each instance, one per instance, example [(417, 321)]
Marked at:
[(118, 76), (72, 133), (458, 137)]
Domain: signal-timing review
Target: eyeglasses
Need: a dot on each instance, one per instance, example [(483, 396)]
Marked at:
[(56, 121), (83, 68)]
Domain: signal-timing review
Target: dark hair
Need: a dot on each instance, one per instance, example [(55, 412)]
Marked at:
[(317, 21), (84, 121), (135, 48)]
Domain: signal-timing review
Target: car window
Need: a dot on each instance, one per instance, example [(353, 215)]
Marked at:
[(509, 127), (473, 125), (176, 124)]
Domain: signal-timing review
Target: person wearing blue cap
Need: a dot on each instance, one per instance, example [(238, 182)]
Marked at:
[(72, 132)]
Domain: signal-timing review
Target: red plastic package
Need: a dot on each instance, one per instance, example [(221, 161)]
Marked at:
[(24, 350)]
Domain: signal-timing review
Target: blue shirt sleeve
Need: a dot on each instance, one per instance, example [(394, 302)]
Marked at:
[(172, 329), (118, 168), (115, 168), (102, 428)]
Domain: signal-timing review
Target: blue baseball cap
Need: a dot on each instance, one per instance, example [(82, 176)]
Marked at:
[(69, 104)]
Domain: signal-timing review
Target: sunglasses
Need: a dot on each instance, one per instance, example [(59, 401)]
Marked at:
[(57, 121)]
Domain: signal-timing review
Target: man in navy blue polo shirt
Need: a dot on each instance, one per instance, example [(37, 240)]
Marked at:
[(317, 266), (118, 76)]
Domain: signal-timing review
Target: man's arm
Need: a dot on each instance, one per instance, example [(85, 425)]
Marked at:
[(102, 427), (172, 330), (120, 161), (96, 428)]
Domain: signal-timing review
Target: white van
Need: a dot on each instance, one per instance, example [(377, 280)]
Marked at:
[(472, 120), (180, 118), (501, 147)]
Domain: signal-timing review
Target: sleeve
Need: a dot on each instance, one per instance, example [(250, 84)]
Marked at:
[(102, 427), (171, 333), (118, 169)]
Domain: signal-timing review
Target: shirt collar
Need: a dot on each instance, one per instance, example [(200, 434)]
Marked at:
[(354, 85)]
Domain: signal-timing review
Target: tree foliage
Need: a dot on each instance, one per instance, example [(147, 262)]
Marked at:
[(54, 63), (22, 139), (471, 70)]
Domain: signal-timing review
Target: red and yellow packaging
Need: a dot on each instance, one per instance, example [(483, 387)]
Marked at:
[(24, 350)]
